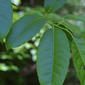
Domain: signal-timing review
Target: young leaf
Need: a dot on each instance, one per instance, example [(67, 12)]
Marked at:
[(24, 29), (53, 57), (5, 17), (53, 5), (78, 63)]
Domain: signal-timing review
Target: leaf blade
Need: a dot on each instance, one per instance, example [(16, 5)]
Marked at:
[(78, 63), (80, 44), (51, 69), (24, 29), (5, 17)]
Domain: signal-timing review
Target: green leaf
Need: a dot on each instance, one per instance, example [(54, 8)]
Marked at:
[(53, 57), (24, 29), (53, 5), (72, 28), (77, 37), (78, 63), (79, 17), (5, 17), (79, 21), (80, 44)]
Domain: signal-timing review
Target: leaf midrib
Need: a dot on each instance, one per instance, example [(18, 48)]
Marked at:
[(53, 57)]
